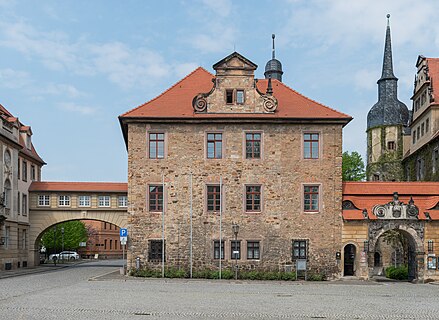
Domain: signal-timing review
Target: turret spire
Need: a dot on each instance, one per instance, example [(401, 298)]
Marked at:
[(387, 59), (273, 53), (273, 68)]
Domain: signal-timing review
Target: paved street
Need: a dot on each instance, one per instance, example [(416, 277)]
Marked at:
[(91, 291)]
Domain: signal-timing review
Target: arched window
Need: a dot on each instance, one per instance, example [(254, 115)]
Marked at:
[(7, 158), (7, 191)]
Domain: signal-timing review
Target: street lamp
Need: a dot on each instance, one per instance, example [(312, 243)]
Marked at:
[(62, 247), (235, 229)]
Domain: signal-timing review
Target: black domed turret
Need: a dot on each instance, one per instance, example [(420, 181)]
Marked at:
[(273, 68), (388, 110)]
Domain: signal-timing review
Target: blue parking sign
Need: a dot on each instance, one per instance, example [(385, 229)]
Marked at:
[(123, 232)]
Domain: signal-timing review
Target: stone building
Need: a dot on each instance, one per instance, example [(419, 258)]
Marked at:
[(219, 150), (103, 241), (20, 165), (387, 126), (421, 161), (407, 211)]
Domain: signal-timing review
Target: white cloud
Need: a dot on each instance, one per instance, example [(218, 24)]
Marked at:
[(14, 79), (73, 107), (122, 65)]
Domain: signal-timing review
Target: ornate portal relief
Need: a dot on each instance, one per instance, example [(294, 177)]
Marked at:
[(396, 209)]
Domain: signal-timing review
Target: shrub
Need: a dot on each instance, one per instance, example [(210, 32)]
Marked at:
[(175, 273), (397, 273), (316, 277)]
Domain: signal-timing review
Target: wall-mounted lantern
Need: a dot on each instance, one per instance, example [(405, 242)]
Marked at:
[(430, 246), (366, 246)]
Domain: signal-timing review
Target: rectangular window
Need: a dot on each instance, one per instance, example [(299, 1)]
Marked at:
[(427, 125), (24, 205), (123, 201), (240, 96), (111, 244), (391, 145), (299, 249), (105, 244), (19, 169), (64, 201), (7, 237), (18, 238), (84, 201), (253, 145), (213, 198), (235, 252), (414, 137), (156, 198), (311, 145), (214, 145), (253, 250), (229, 96), (422, 129), (43, 200), (311, 198), (252, 198), (156, 145), (24, 239), (32, 172), (155, 250), (418, 131), (24, 178), (104, 201), (18, 202), (216, 250)]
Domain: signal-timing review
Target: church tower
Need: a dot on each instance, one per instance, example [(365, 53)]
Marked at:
[(387, 125)]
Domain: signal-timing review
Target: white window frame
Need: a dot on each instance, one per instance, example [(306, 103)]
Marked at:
[(84, 201), (64, 201), (122, 201), (104, 201), (43, 200)]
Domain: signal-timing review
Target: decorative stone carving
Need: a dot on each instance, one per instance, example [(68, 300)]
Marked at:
[(396, 209), (200, 103), (270, 103), (377, 225), (349, 205)]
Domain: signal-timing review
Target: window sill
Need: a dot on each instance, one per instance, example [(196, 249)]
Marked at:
[(311, 212)]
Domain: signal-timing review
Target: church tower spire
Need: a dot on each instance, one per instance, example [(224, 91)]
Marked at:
[(387, 123)]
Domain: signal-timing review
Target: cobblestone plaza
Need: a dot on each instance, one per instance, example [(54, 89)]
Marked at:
[(97, 291)]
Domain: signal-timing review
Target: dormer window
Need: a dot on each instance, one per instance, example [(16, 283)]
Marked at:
[(229, 96), (28, 142)]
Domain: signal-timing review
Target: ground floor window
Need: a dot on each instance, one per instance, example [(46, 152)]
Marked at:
[(253, 250), (299, 249), (155, 250), (216, 250), (235, 249)]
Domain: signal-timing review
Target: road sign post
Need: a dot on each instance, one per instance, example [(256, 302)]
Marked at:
[(123, 232)]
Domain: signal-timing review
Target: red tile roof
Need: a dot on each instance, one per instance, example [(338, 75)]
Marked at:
[(32, 153), (176, 102), (365, 195), (79, 186)]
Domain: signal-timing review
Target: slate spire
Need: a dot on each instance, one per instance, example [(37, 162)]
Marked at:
[(387, 59), (388, 110), (273, 68)]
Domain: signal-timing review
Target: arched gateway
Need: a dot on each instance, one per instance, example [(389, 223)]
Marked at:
[(391, 228), (54, 202)]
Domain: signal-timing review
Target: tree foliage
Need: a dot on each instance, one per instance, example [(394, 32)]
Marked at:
[(353, 167), (74, 233)]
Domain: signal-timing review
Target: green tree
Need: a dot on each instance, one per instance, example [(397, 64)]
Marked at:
[(353, 167), (74, 233)]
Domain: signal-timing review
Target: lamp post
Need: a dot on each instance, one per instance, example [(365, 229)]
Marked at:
[(62, 246), (235, 229)]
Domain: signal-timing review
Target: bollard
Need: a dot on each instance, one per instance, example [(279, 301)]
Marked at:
[(137, 263)]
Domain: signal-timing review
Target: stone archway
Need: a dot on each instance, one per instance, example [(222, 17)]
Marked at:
[(413, 231), (42, 220)]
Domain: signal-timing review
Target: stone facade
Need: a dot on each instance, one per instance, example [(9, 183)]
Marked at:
[(281, 172)]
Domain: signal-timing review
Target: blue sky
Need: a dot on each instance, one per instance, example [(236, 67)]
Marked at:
[(69, 68)]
